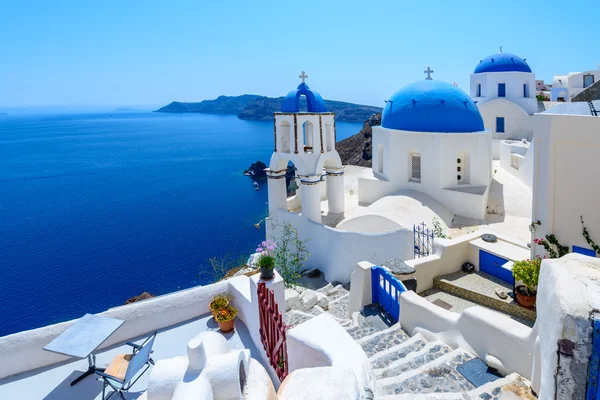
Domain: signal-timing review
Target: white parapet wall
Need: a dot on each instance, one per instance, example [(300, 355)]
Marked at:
[(335, 252)]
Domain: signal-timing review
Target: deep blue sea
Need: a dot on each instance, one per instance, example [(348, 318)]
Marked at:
[(97, 208)]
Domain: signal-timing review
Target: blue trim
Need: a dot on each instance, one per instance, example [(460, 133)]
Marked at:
[(584, 251), (592, 386)]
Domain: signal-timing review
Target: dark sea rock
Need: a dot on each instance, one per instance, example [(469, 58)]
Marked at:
[(143, 296), (356, 150), (257, 170), (261, 108)]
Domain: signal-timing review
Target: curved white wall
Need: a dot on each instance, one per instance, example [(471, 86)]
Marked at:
[(517, 122), (336, 252), (369, 224), (524, 170)]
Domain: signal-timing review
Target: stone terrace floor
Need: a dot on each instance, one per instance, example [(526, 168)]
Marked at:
[(53, 382)]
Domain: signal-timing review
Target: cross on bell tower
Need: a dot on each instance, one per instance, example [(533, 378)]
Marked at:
[(428, 71), (303, 76)]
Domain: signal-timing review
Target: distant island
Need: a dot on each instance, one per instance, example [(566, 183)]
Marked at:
[(260, 108)]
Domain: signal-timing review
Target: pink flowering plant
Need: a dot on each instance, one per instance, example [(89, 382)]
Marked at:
[(266, 259)]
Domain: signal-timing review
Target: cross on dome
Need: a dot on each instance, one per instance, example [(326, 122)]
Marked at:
[(429, 71), (303, 76), (500, 49)]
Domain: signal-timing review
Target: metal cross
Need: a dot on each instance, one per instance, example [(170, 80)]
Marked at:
[(303, 76), (429, 71), (500, 49)]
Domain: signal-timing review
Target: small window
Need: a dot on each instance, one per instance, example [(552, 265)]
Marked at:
[(588, 80), (525, 90), (502, 90), (380, 158), (479, 90), (415, 167), (499, 124)]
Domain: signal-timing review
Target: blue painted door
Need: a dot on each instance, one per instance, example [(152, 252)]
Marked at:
[(492, 264), (502, 90), (386, 291)]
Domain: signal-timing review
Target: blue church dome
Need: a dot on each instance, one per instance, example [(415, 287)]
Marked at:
[(432, 106), (502, 62), (314, 101)]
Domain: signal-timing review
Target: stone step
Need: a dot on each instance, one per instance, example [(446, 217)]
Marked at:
[(339, 308), (383, 340), (336, 293), (431, 351), (395, 353), (438, 376), (512, 387), (295, 317)]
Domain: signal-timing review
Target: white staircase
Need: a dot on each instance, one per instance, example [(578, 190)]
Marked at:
[(405, 367)]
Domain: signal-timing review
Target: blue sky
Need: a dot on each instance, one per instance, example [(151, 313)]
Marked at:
[(84, 53)]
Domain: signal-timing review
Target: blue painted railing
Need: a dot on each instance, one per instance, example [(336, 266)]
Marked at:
[(593, 392), (386, 291)]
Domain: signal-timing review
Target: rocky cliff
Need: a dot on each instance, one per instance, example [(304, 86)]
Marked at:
[(356, 150), (221, 105), (261, 108)]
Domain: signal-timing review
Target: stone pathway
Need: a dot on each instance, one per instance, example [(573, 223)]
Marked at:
[(402, 366)]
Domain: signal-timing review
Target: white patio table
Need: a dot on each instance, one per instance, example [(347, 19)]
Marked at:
[(83, 338)]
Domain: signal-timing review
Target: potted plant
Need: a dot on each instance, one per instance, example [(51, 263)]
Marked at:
[(219, 302), (266, 261), (225, 317), (528, 272)]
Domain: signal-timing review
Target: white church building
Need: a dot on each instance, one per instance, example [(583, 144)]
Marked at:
[(432, 140), (503, 86)]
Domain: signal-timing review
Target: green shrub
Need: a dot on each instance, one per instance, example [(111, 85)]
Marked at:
[(527, 271), (266, 261)]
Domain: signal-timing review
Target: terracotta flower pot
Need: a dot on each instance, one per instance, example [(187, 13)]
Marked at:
[(213, 309), (524, 298), (266, 274), (226, 326)]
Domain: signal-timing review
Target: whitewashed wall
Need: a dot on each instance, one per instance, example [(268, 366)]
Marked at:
[(514, 88), (336, 252), (439, 153), (525, 171), (565, 181), (517, 122)]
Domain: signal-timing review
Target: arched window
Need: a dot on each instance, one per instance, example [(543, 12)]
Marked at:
[(501, 89), (307, 133), (329, 137), (284, 137), (478, 93), (525, 90), (380, 158)]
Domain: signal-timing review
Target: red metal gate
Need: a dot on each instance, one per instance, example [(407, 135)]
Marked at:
[(272, 331)]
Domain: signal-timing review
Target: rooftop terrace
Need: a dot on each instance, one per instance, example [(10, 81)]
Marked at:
[(53, 382)]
